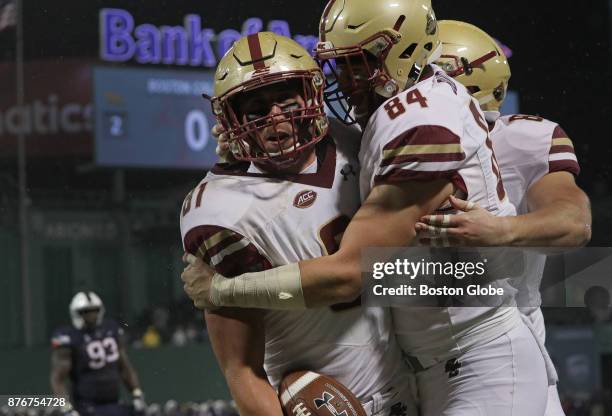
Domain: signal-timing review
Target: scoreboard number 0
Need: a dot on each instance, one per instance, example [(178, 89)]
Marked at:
[(196, 130)]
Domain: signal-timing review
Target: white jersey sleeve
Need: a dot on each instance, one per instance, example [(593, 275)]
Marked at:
[(527, 148), (433, 130)]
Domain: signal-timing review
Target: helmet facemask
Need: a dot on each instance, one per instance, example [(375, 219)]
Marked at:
[(274, 132), (356, 71)]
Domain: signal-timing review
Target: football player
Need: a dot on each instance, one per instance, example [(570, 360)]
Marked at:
[(289, 198), (425, 138), (537, 163), (89, 361)]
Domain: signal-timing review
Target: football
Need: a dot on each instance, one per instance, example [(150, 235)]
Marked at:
[(306, 393)]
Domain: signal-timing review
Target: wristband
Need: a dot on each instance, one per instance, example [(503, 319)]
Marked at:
[(278, 288)]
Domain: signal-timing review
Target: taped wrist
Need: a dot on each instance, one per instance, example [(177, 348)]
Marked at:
[(278, 288)]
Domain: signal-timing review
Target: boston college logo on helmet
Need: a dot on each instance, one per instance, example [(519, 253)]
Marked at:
[(305, 199)]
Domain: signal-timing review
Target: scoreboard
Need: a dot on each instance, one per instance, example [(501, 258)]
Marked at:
[(153, 118), (157, 118)]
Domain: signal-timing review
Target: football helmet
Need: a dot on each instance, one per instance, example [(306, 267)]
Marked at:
[(476, 60), (393, 39), (82, 302), (258, 61)]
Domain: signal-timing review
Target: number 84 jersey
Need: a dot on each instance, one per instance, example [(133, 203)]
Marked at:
[(95, 374), (435, 130)]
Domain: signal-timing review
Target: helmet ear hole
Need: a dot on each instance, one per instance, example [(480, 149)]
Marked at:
[(473, 89), (499, 93), (408, 51), (428, 46)]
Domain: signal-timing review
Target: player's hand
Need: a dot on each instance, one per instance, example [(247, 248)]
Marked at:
[(68, 410), (197, 278), (138, 401), (474, 227), (222, 150)]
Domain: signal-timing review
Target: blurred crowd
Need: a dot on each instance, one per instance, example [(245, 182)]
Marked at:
[(177, 323), (599, 404)]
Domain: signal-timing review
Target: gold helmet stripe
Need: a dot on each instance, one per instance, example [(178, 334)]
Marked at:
[(255, 50), (324, 19)]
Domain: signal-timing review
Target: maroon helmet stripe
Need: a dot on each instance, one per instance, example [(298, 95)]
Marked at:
[(255, 50), (399, 22), (484, 58)]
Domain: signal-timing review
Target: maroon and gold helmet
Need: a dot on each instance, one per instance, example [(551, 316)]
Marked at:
[(258, 62), (393, 40)]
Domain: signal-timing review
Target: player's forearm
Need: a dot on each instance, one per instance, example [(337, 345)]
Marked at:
[(253, 394), (59, 384), (386, 219), (130, 378), (238, 340), (331, 279), (325, 281), (564, 224), (322, 281)]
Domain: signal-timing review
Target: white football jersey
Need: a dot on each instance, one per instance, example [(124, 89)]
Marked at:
[(527, 148), (241, 221), (430, 131)]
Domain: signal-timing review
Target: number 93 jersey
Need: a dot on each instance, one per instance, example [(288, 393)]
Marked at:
[(95, 374), (243, 220)]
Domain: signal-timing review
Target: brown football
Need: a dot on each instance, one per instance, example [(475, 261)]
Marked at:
[(306, 393)]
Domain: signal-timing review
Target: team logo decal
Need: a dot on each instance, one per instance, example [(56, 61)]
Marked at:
[(326, 401), (452, 367), (305, 199), (399, 409)]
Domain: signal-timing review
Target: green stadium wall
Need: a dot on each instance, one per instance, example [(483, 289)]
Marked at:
[(188, 373)]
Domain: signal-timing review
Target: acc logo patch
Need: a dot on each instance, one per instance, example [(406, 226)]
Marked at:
[(305, 199)]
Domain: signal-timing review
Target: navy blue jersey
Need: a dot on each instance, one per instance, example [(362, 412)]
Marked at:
[(95, 371)]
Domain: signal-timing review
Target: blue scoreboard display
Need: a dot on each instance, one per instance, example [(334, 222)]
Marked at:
[(157, 117), (153, 118)]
